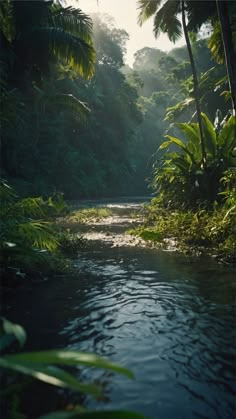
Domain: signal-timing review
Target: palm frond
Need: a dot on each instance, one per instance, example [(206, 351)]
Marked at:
[(73, 21), (216, 44), (74, 51), (147, 9), (39, 234), (31, 207), (37, 207), (199, 13), (166, 21)]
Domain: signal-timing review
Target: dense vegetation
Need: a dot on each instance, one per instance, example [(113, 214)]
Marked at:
[(47, 54), (76, 121), (195, 179), (62, 116), (102, 129)]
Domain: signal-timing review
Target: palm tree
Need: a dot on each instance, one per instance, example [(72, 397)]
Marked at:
[(36, 33), (166, 20)]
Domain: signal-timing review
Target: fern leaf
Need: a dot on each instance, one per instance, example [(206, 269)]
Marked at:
[(38, 234)]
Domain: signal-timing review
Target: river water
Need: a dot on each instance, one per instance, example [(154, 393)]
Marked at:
[(169, 318)]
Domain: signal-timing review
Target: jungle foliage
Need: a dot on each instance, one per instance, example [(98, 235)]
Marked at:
[(59, 112), (195, 179), (180, 178), (200, 231), (29, 241), (50, 368), (75, 119), (110, 124)]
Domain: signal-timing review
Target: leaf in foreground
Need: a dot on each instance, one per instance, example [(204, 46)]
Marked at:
[(50, 375), (66, 357)]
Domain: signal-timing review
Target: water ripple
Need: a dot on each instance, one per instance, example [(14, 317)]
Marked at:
[(169, 318), (172, 330)]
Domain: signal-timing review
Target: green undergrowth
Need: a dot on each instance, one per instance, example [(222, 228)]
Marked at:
[(87, 215), (206, 231), (39, 237), (33, 246)]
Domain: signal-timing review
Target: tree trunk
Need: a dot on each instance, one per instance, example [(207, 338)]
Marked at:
[(229, 51), (195, 84)]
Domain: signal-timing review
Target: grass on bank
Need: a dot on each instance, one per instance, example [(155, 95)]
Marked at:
[(210, 231), (88, 215)]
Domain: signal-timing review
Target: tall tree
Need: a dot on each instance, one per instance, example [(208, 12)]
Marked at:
[(36, 33), (166, 20), (195, 82)]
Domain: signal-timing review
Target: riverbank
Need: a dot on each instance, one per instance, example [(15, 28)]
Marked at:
[(128, 225), (211, 232), (138, 306), (150, 225)]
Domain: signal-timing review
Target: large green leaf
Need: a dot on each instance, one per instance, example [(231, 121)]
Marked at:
[(191, 131), (226, 137), (66, 357), (209, 135), (194, 149), (182, 163), (181, 145), (109, 414), (48, 374)]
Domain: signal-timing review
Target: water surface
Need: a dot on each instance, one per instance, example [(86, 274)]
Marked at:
[(169, 318)]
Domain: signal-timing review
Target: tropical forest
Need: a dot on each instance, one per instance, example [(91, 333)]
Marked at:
[(118, 209)]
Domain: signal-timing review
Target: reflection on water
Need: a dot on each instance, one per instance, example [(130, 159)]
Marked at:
[(173, 325), (169, 318)]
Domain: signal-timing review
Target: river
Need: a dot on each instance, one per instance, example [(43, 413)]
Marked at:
[(169, 318)]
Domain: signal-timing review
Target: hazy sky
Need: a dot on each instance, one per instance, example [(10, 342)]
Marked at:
[(125, 14)]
